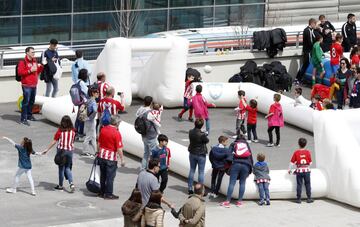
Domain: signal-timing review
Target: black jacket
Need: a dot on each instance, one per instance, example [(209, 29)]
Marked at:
[(261, 40), (348, 32), (308, 39), (198, 141), (278, 38), (327, 27)]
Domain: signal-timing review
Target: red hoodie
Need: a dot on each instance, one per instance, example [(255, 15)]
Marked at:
[(28, 78)]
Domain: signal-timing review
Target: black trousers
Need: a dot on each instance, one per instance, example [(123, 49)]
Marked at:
[(300, 177), (251, 128), (216, 179), (164, 179), (277, 132), (305, 65)]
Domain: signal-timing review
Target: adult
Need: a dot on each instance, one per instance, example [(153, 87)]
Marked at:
[(112, 104), (150, 138), (326, 29), (355, 92), (109, 147), (29, 70), (241, 168), (153, 212), (147, 181), (48, 59), (131, 210), (341, 76), (79, 64), (308, 41), (348, 32), (83, 78), (102, 84), (349, 85), (192, 214), (90, 124), (197, 153)]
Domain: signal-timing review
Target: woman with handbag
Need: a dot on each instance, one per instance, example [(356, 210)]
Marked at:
[(131, 210), (64, 138)]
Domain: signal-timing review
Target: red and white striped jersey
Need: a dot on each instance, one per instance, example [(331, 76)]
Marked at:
[(258, 181), (113, 105), (109, 142), (302, 159), (65, 139), (188, 89), (102, 86), (241, 110)]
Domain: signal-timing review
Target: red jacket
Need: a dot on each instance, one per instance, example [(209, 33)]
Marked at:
[(28, 78), (252, 115)]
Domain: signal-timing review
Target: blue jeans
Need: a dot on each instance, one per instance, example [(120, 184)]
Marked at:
[(29, 94), (52, 85), (300, 177), (207, 125), (66, 169), (79, 126), (107, 176), (241, 172), (196, 160), (149, 145), (264, 191)]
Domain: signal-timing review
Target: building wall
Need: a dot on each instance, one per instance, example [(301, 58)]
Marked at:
[(81, 21)]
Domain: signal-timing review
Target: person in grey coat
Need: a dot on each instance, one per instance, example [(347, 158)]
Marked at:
[(262, 179)]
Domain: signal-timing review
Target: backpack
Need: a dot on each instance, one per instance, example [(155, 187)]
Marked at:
[(77, 96), (241, 150), (83, 112), (140, 124), (235, 78), (106, 115), (17, 76)]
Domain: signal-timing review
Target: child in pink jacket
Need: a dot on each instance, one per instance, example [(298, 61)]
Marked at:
[(275, 121), (200, 106)]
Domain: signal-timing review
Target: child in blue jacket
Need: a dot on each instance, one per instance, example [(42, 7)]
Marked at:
[(262, 179), (218, 156)]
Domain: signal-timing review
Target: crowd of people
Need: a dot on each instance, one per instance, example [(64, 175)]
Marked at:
[(97, 126)]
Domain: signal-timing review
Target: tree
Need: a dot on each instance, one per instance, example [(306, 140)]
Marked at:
[(126, 16)]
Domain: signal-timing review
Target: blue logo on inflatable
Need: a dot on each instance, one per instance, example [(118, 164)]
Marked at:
[(215, 90)]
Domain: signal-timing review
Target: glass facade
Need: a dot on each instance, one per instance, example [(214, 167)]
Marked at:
[(79, 21)]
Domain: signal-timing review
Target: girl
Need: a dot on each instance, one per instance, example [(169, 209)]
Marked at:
[(132, 210), (24, 150), (200, 106), (64, 137), (90, 124), (275, 120), (187, 98), (354, 56), (251, 120), (153, 212), (341, 76), (262, 179)]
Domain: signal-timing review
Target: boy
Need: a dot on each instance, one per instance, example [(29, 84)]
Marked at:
[(187, 98), (302, 159), (102, 85), (299, 99), (262, 179), (316, 103), (316, 58), (336, 53), (218, 156), (155, 116), (162, 153), (241, 114)]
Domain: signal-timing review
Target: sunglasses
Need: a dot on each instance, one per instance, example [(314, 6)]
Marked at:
[(342, 63)]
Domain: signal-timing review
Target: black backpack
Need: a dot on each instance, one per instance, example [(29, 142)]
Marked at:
[(140, 124), (17, 76)]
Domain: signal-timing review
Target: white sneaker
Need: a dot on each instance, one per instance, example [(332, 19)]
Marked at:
[(210, 194), (214, 196), (270, 145), (11, 190), (234, 137), (255, 141), (248, 141), (33, 193), (278, 145)]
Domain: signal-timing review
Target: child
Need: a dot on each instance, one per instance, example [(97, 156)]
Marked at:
[(336, 52), (64, 138), (24, 150), (187, 98), (251, 120), (316, 103), (200, 106), (218, 157), (302, 159), (354, 56), (102, 85), (90, 124), (241, 114), (275, 121), (155, 116), (162, 152), (316, 57), (262, 179), (299, 99)]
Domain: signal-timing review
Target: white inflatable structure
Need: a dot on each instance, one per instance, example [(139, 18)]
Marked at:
[(336, 135)]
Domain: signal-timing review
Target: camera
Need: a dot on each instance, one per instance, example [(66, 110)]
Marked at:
[(120, 93)]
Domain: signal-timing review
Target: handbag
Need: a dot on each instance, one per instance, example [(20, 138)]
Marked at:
[(60, 158), (58, 73), (93, 184)]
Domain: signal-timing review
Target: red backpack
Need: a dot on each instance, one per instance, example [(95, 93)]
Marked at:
[(241, 150)]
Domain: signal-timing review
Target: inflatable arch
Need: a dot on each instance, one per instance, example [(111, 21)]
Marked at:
[(336, 135)]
